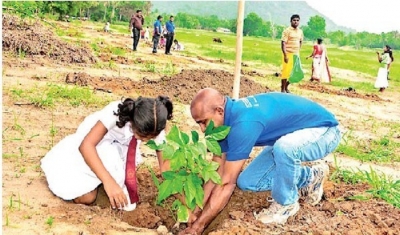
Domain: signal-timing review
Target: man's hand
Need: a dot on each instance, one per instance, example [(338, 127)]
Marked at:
[(193, 216), (192, 230)]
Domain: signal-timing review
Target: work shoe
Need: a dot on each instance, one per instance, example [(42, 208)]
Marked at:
[(313, 192), (276, 213)]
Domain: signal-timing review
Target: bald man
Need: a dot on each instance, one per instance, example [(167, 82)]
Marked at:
[(293, 129)]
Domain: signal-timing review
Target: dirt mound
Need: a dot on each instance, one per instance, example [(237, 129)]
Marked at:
[(181, 87), (345, 92), (32, 38), (336, 214)]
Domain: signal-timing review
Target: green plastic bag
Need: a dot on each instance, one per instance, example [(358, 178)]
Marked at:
[(297, 73)]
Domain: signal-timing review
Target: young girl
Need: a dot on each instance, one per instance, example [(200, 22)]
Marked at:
[(385, 60), (97, 153)]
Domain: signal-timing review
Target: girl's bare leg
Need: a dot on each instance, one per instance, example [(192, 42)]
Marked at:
[(87, 198)]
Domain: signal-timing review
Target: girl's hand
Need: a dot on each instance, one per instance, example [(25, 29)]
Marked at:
[(116, 195)]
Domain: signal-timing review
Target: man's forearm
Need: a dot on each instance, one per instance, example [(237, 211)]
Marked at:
[(283, 48), (218, 199)]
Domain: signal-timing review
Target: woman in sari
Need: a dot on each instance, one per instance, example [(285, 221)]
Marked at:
[(385, 60), (320, 69)]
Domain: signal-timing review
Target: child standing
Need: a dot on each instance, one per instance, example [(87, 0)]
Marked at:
[(105, 150)]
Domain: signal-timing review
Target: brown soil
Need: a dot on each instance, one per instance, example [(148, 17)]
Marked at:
[(181, 87), (344, 92), (32, 38), (28, 205), (336, 214)]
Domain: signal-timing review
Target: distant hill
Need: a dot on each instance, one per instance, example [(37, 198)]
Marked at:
[(277, 11)]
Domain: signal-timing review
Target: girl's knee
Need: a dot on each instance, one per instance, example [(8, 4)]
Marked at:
[(86, 199)]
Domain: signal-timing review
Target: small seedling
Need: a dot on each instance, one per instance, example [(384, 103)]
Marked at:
[(50, 221), (189, 168)]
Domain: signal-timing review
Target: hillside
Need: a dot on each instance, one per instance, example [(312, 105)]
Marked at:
[(278, 11)]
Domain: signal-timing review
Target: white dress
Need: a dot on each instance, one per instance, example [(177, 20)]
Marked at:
[(66, 171), (381, 79)]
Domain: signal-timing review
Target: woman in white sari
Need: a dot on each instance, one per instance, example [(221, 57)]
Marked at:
[(320, 69), (385, 60)]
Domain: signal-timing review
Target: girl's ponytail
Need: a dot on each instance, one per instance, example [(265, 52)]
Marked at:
[(125, 112), (168, 105)]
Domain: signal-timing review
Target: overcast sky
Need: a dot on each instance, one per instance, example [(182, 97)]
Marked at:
[(374, 16)]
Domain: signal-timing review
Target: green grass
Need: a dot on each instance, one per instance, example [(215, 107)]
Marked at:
[(49, 95), (383, 148), (381, 185), (262, 51)]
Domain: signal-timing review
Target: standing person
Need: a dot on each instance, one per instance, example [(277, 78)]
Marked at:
[(170, 27), (320, 69), (107, 27), (157, 33), (136, 24), (293, 130), (105, 150), (147, 34), (292, 39), (383, 73)]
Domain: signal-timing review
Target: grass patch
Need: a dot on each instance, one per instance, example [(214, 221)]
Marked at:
[(358, 86), (380, 149), (265, 51), (50, 94), (381, 185)]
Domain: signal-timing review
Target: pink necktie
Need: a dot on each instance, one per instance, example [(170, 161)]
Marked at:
[(130, 171)]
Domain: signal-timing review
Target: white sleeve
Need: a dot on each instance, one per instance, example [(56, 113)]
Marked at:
[(160, 138), (107, 116)]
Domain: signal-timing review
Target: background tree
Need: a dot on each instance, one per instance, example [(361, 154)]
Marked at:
[(315, 28), (252, 25)]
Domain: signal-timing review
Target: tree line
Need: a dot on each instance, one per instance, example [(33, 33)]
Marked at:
[(254, 25)]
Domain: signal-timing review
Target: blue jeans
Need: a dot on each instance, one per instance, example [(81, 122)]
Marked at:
[(278, 168), (156, 40)]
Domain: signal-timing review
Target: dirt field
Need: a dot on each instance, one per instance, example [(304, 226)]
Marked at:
[(30, 208)]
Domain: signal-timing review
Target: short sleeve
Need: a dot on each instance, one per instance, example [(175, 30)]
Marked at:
[(107, 116), (285, 35), (160, 138)]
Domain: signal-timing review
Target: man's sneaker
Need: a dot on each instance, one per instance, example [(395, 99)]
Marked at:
[(277, 213), (313, 192)]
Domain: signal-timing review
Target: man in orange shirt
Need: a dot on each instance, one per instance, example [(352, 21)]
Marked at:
[(292, 38)]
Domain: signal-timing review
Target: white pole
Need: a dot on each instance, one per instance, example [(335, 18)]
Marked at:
[(239, 47)]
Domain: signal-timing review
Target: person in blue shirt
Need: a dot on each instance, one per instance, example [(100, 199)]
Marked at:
[(170, 34), (292, 130), (157, 33)]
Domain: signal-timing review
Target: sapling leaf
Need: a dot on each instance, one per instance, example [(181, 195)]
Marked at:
[(174, 135), (153, 145), (154, 177), (209, 128), (168, 152), (185, 138), (178, 160), (213, 146), (190, 159), (195, 137), (166, 189), (182, 211), (219, 133), (168, 175)]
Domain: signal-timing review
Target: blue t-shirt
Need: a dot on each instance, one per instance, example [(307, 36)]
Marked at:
[(158, 25), (170, 26), (262, 119)]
